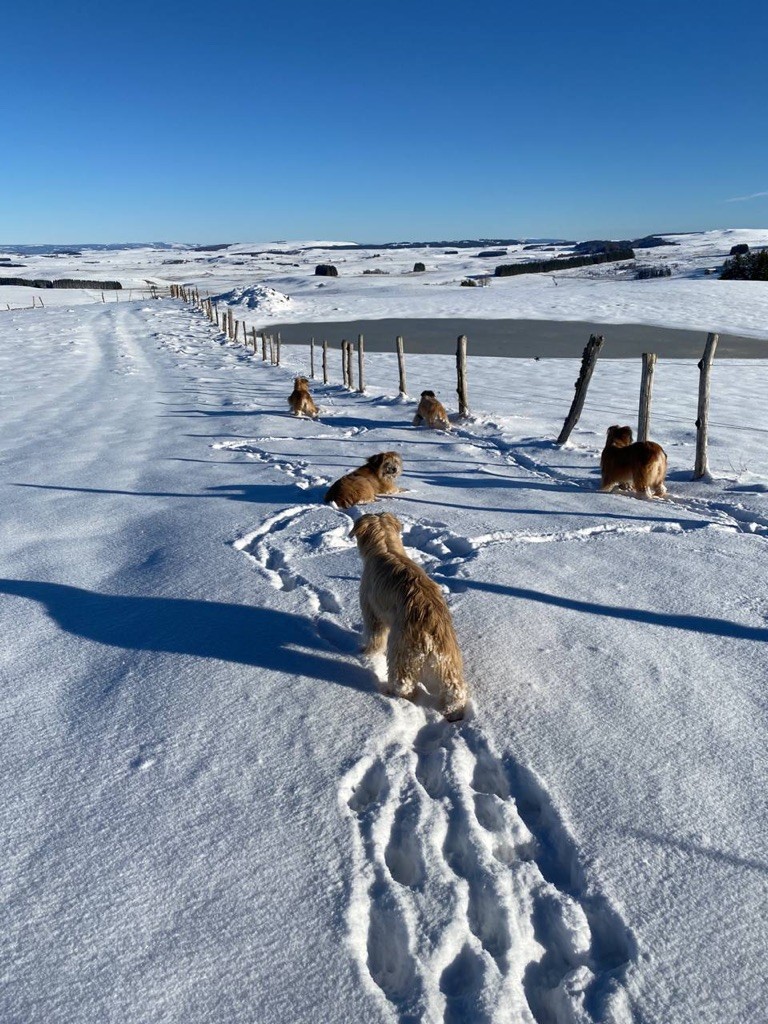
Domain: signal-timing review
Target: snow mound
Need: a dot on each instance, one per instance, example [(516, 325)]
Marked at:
[(258, 296)]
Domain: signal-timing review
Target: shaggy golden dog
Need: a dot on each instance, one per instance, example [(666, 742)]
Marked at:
[(300, 400), (641, 466), (378, 476), (431, 411), (404, 610)]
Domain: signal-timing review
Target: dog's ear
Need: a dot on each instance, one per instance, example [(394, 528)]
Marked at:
[(360, 526), (391, 519), (427, 394), (374, 461)]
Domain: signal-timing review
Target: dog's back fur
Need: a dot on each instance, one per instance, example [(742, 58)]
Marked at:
[(378, 476), (431, 411), (641, 466), (401, 605), (300, 400)]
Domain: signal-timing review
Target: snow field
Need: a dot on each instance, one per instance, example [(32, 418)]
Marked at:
[(184, 623)]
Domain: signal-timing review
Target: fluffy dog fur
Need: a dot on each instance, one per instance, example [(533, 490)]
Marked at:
[(404, 610), (431, 411), (378, 476), (300, 400), (641, 466)]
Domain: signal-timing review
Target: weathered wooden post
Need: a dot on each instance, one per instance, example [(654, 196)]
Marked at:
[(361, 364), (263, 347), (701, 467), (344, 362), (588, 361), (237, 329), (350, 350), (401, 365), (461, 374), (312, 358), (271, 351), (646, 389), (277, 349), (325, 362)]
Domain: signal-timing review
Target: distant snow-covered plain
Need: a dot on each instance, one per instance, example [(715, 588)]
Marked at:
[(210, 814)]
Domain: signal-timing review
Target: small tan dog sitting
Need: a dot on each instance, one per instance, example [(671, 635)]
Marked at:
[(378, 476), (431, 411), (641, 466), (300, 400), (404, 610)]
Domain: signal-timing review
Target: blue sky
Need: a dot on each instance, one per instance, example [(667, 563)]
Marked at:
[(245, 121)]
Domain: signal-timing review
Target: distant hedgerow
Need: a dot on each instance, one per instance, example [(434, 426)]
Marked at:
[(750, 266), (544, 266)]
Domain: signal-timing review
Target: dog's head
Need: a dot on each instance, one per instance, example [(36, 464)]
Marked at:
[(618, 436), (301, 384), (428, 394), (385, 465), (377, 532)]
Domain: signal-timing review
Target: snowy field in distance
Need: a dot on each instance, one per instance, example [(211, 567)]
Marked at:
[(380, 283)]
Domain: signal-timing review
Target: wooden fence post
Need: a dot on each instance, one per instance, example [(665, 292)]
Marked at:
[(646, 389), (461, 374), (325, 362), (344, 362), (277, 349), (350, 350), (263, 347), (701, 467), (271, 351), (588, 361), (401, 365), (361, 364), (312, 358)]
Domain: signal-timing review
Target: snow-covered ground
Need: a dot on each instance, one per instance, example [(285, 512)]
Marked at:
[(276, 282), (209, 812)]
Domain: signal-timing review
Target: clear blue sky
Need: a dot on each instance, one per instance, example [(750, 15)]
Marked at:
[(346, 119)]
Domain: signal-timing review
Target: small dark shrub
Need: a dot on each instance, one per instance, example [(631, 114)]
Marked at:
[(468, 283), (752, 266), (739, 250), (419, 268), (326, 270)]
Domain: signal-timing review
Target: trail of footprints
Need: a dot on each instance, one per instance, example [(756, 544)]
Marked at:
[(467, 900)]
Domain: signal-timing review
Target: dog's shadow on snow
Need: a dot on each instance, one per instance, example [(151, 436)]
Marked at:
[(243, 634)]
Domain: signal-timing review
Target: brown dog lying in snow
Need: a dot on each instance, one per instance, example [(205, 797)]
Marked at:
[(300, 400), (378, 476)]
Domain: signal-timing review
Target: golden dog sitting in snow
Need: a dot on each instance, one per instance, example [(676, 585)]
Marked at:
[(378, 476), (431, 411), (300, 400), (404, 610), (641, 466)]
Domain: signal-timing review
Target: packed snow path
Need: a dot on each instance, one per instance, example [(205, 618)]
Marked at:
[(211, 812)]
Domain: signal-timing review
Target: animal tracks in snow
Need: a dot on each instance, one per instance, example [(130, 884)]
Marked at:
[(297, 469), (462, 907)]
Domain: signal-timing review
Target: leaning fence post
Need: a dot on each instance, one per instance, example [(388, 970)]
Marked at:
[(263, 347), (461, 374), (401, 365), (361, 364), (325, 362), (701, 467), (588, 361), (646, 388), (312, 358)]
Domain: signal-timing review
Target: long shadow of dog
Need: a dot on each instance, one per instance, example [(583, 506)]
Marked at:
[(246, 635)]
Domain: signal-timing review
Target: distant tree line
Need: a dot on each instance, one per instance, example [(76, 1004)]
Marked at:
[(545, 266), (749, 266), (63, 282)]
